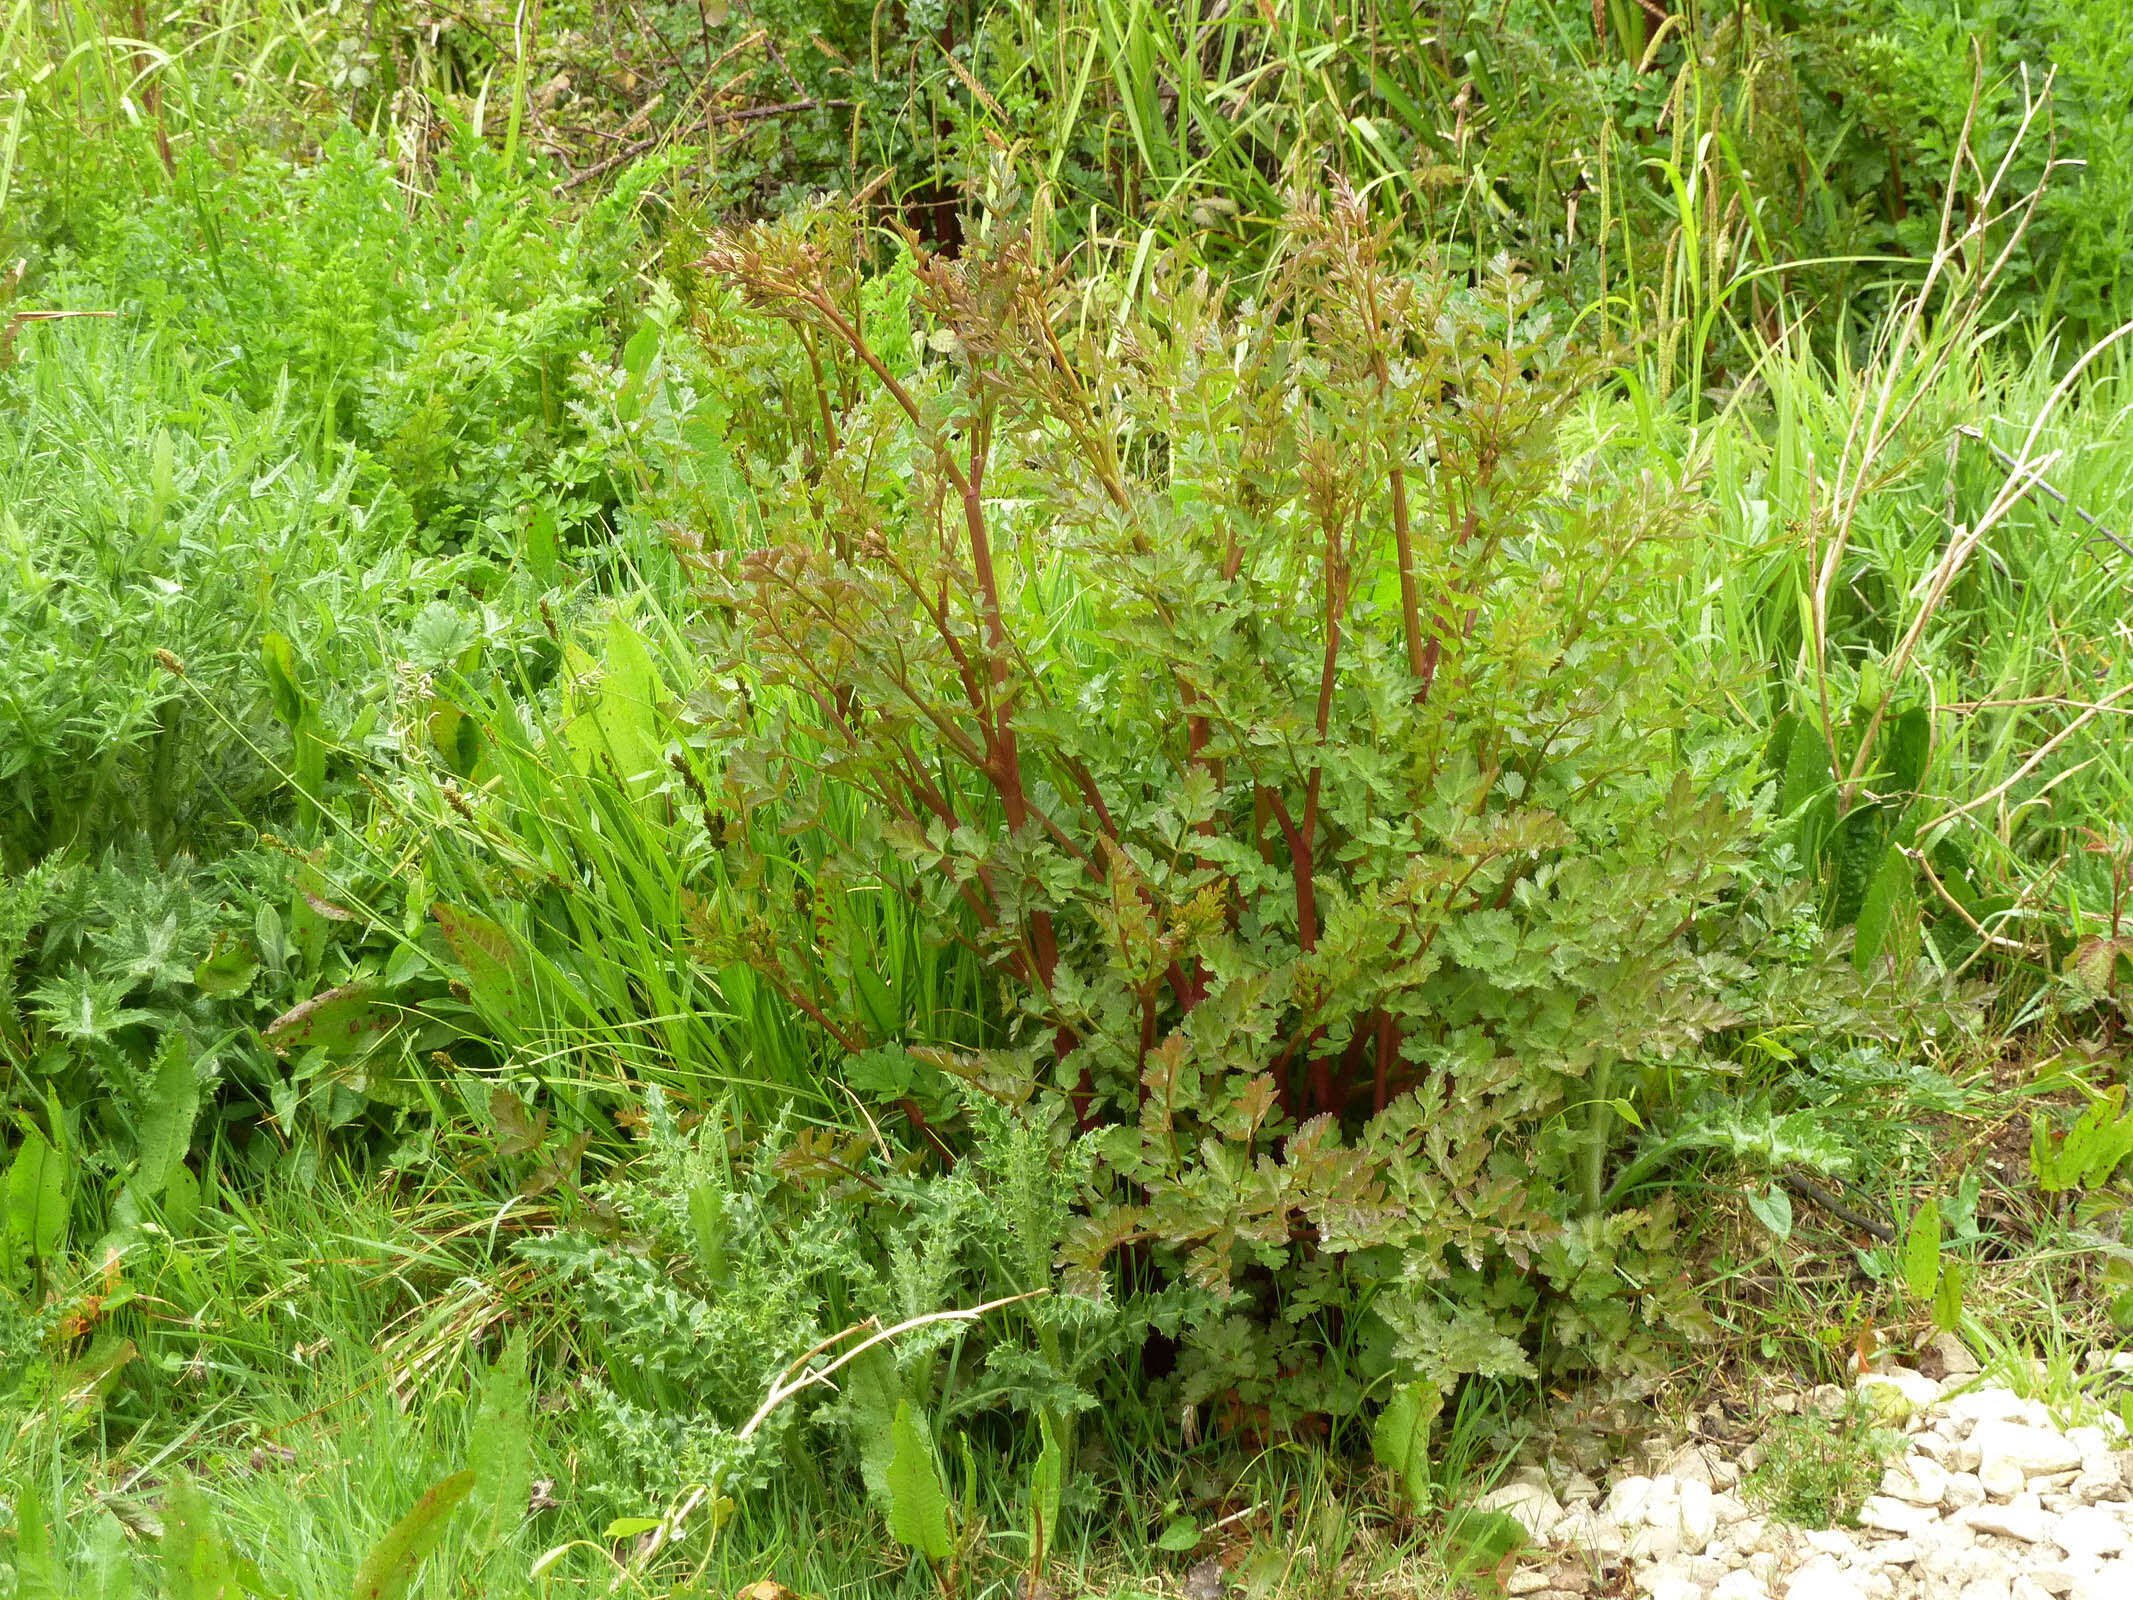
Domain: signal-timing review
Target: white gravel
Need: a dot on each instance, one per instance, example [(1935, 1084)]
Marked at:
[(1991, 1500)]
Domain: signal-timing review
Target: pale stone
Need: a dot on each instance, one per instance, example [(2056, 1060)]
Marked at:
[(2053, 1580), (1895, 1553), (2026, 1588), (2114, 1581), (1628, 1498), (1740, 1584), (1527, 1580), (1934, 1446), (1689, 1464), (1831, 1541), (1919, 1392), (2090, 1532), (1727, 1508), (1983, 1405), (2091, 1441), (2091, 1487), (2028, 1523), (1824, 1581), (1655, 1544), (1986, 1589), (1826, 1398), (1953, 1355), (2001, 1479), (1963, 1489), (2030, 1450), (1532, 1506), (1965, 1457), (1594, 1532), (1920, 1480), (1676, 1589), (1891, 1515), (1699, 1522)]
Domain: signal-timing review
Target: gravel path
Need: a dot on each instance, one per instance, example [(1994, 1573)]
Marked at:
[(1990, 1500)]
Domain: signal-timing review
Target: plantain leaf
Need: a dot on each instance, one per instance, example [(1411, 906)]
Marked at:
[(873, 1389), (1399, 1442), (1773, 1209), (344, 1021), (1948, 1298), (501, 1452), (1806, 769), (196, 1564), (38, 1574), (278, 657), (1045, 1479), (1857, 848), (497, 976), (1886, 892), (1921, 1252), (173, 1103), (918, 1503), (388, 1572), (1909, 743), (227, 973)]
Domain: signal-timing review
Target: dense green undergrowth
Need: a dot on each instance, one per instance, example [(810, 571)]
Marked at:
[(1102, 854)]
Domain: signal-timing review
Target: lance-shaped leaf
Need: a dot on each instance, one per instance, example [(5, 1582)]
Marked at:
[(343, 1021), (388, 1572)]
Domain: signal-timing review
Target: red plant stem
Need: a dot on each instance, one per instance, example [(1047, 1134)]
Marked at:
[(1388, 1043), (1299, 873), (1443, 625), (1351, 1058)]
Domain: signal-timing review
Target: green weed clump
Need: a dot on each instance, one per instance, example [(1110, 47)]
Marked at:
[(1817, 1470)]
